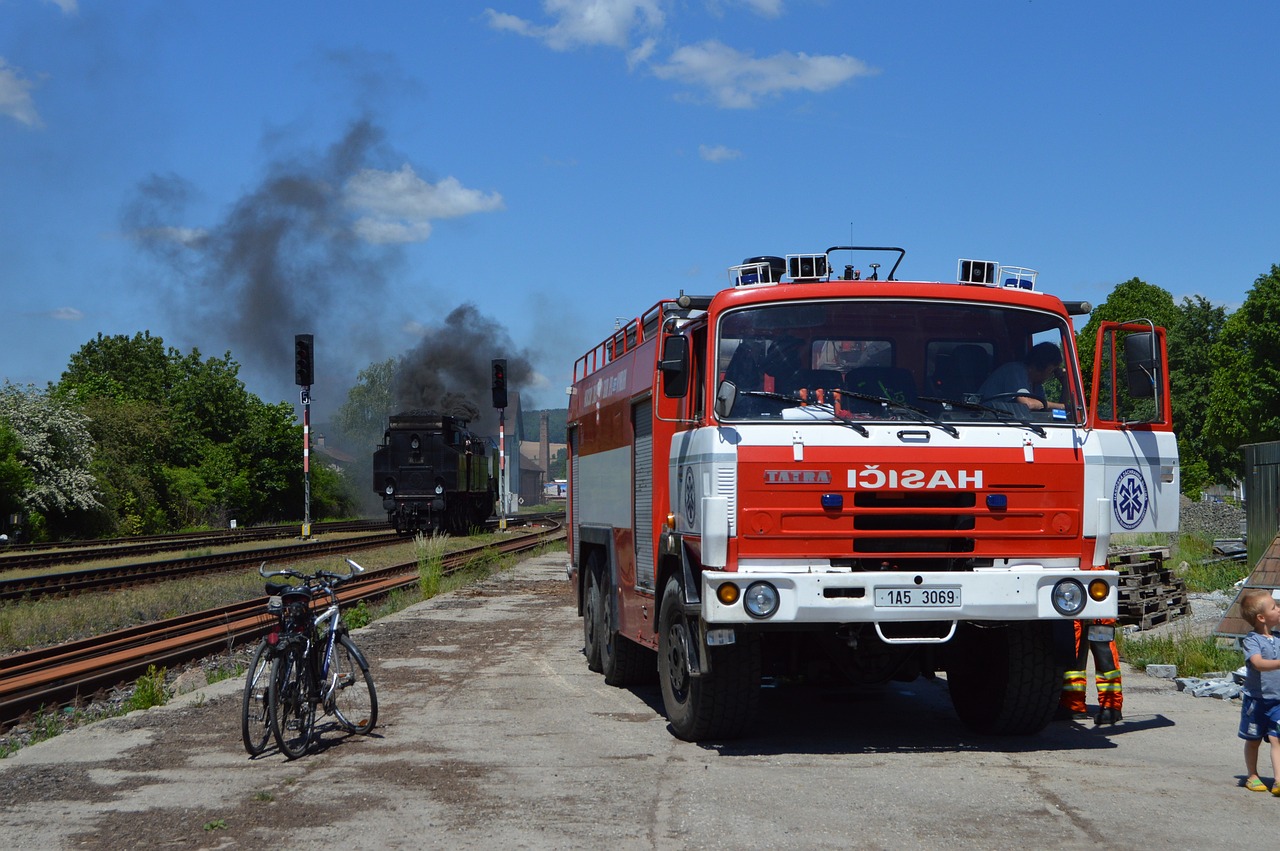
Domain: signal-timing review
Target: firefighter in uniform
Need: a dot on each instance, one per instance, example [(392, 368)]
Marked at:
[(1098, 638)]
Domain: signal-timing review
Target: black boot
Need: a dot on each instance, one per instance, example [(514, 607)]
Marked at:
[(1107, 716)]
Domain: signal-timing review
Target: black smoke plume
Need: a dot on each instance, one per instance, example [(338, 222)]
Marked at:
[(450, 370), (284, 260)]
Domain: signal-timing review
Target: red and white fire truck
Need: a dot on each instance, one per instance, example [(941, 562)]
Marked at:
[(819, 477)]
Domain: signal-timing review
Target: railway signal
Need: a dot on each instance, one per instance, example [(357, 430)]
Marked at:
[(304, 371), (499, 382)]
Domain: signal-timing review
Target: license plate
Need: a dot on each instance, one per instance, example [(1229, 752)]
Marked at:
[(916, 597)]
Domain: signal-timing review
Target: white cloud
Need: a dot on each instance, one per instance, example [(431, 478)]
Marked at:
[(764, 8), (186, 237), (737, 80), (399, 206), (15, 97), (767, 8), (585, 22), (69, 314), (717, 153), (68, 7)]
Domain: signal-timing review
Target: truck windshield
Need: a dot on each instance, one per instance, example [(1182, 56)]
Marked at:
[(886, 359)]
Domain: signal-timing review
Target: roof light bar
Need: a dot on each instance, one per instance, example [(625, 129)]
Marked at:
[(977, 272), (757, 270), (807, 267), (989, 273), (1018, 277)]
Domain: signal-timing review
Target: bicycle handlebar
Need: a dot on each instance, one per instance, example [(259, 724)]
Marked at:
[(323, 577)]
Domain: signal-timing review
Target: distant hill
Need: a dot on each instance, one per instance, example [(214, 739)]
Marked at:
[(556, 429)]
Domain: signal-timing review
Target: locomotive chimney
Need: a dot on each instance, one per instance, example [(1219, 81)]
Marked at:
[(544, 442)]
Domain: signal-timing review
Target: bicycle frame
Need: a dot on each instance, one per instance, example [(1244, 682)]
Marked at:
[(331, 622)]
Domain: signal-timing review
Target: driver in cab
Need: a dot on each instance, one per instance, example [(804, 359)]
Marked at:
[(1018, 386)]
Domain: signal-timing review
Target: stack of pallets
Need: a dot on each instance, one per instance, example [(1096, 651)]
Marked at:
[(1149, 592)]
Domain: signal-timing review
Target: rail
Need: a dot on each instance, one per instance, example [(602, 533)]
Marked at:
[(63, 674)]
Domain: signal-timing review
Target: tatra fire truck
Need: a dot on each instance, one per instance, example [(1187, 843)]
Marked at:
[(820, 477)]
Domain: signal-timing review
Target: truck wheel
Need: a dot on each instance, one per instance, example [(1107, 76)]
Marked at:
[(1005, 680), (718, 705), (623, 662), (592, 601)]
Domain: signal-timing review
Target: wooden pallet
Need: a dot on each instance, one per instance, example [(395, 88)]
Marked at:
[(1157, 618), (1140, 556), (1149, 593)]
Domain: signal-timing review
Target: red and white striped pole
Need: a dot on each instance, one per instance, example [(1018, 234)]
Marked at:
[(502, 470), (306, 462)]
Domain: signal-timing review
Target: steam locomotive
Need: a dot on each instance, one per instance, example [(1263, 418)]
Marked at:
[(435, 475)]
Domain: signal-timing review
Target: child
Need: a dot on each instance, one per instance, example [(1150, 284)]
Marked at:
[(1260, 708)]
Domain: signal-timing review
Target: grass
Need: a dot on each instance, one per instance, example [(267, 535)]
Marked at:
[(430, 553), (1195, 655), (149, 690)]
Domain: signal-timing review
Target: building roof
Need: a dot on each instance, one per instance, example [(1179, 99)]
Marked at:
[(1266, 574)]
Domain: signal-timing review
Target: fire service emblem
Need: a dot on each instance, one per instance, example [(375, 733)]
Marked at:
[(1130, 499), (690, 499)]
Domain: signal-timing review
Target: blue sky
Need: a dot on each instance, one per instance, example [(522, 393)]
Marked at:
[(227, 174)]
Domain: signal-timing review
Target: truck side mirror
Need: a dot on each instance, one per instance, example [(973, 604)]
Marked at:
[(726, 396), (1140, 365), (674, 366)]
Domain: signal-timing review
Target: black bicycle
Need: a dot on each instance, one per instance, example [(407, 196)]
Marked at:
[(315, 665), (255, 715)]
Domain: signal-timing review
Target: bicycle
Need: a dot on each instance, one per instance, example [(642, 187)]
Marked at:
[(316, 664), (255, 717)]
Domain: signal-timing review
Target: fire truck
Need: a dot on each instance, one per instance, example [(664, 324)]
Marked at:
[(822, 477)]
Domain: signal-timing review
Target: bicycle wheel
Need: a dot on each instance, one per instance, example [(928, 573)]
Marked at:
[(349, 689), (255, 720), (292, 715)]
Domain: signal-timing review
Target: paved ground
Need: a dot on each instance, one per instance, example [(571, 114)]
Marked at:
[(492, 734)]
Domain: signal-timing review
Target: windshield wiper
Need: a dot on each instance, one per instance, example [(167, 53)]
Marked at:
[(1003, 416), (920, 413)]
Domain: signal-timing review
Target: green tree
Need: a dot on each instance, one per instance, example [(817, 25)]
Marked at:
[(1192, 337), (15, 479), (267, 460), (361, 420), (57, 450), (1134, 299), (1244, 402), (358, 426), (189, 445), (122, 368), (134, 443)]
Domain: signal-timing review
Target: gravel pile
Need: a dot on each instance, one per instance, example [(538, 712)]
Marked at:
[(1219, 519)]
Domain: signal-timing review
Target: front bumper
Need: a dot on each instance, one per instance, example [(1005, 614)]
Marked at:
[(988, 594)]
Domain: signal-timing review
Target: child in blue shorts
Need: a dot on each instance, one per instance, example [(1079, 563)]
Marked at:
[(1260, 708)]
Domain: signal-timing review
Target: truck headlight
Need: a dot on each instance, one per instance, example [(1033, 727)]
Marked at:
[(760, 600), (1069, 597)]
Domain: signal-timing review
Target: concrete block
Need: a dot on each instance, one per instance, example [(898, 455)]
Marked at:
[(1164, 672)]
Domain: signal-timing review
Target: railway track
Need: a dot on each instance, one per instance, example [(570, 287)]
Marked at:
[(61, 675), (19, 557), (120, 576), (65, 583)]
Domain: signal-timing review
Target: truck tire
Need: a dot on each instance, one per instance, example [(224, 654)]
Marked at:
[(592, 601), (623, 661), (1004, 680), (718, 705)]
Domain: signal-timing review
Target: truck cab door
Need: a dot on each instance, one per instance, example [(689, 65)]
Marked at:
[(1131, 453)]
